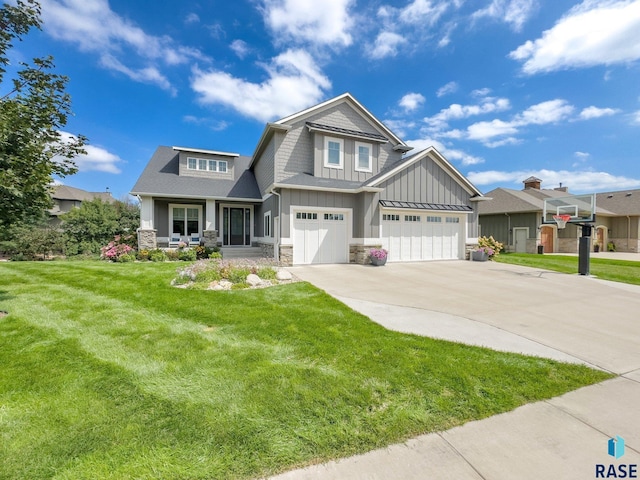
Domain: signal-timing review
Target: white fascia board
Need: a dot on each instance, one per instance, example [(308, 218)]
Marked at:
[(197, 197), (480, 199), (210, 152), (331, 101), (440, 160), (266, 133), (287, 186)]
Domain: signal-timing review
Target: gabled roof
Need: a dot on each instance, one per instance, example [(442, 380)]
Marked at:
[(284, 124), (160, 178), (506, 200), (65, 192), (437, 157), (345, 97), (623, 202)]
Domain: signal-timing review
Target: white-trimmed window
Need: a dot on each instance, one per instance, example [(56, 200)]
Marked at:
[(267, 224), (185, 219), (333, 152), (363, 157), (205, 165)]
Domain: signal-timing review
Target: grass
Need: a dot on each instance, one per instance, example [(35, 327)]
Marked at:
[(607, 269), (110, 373)]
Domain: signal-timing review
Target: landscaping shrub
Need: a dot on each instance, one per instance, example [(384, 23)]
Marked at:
[(490, 246), (238, 274), (143, 255), (117, 248), (157, 255), (266, 273), (187, 255)]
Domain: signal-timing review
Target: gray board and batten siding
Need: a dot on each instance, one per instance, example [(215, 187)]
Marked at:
[(301, 150), (427, 182)]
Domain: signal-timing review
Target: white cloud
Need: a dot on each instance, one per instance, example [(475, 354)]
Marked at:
[(326, 23), (592, 33), (577, 181), (595, 112), (551, 111), (411, 101), (484, 131), (215, 125), (93, 27), (514, 12), (295, 82), (582, 155), (192, 18), (422, 11), (481, 92), (455, 111), (449, 153), (240, 48), (96, 159), (635, 117), (386, 45), (450, 87), (150, 75)]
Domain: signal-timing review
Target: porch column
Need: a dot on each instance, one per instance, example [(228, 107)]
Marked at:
[(210, 234), (146, 233)]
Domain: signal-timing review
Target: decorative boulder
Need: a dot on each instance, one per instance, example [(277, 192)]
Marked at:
[(253, 279), (283, 275)]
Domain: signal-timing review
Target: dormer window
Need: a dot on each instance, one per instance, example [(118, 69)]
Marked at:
[(333, 152), (205, 165), (363, 157)]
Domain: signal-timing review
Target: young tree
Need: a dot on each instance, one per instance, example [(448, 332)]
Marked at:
[(32, 111)]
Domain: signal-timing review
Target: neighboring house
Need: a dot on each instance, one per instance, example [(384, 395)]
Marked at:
[(65, 198), (323, 186), (514, 217)]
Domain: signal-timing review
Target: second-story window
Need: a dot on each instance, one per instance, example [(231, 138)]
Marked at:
[(207, 165), (333, 152), (363, 157)]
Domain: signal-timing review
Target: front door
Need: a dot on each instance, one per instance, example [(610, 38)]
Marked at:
[(236, 228)]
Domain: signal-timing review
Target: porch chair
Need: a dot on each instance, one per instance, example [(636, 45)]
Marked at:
[(174, 240), (194, 240)]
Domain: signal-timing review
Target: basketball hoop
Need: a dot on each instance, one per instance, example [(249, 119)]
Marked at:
[(561, 220)]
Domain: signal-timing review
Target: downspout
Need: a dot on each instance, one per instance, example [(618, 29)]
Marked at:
[(276, 239), (508, 229), (628, 233)]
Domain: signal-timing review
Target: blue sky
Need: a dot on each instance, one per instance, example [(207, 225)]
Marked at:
[(504, 89)]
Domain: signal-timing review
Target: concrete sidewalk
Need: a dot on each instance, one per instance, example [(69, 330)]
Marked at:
[(566, 317)]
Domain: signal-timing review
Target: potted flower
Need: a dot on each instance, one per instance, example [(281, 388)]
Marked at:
[(378, 256), (482, 254), (487, 249)]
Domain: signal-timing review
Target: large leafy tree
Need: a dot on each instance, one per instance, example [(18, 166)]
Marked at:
[(34, 106)]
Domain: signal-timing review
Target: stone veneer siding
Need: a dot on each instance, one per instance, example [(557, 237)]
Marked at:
[(360, 253), (147, 239), (210, 238), (286, 255), (266, 250)]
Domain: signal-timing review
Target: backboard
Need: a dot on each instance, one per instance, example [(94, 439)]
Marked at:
[(581, 208)]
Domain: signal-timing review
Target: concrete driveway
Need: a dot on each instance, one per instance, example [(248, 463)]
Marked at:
[(506, 307)]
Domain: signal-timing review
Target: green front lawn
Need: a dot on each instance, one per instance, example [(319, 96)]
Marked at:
[(607, 269), (108, 372)]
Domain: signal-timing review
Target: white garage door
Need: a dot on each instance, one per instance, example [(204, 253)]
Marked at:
[(414, 237), (320, 237)]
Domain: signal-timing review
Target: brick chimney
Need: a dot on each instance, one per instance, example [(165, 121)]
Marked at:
[(532, 182)]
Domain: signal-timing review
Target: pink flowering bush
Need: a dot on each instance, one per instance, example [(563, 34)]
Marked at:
[(116, 249)]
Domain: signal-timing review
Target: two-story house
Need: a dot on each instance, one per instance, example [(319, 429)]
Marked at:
[(323, 186)]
